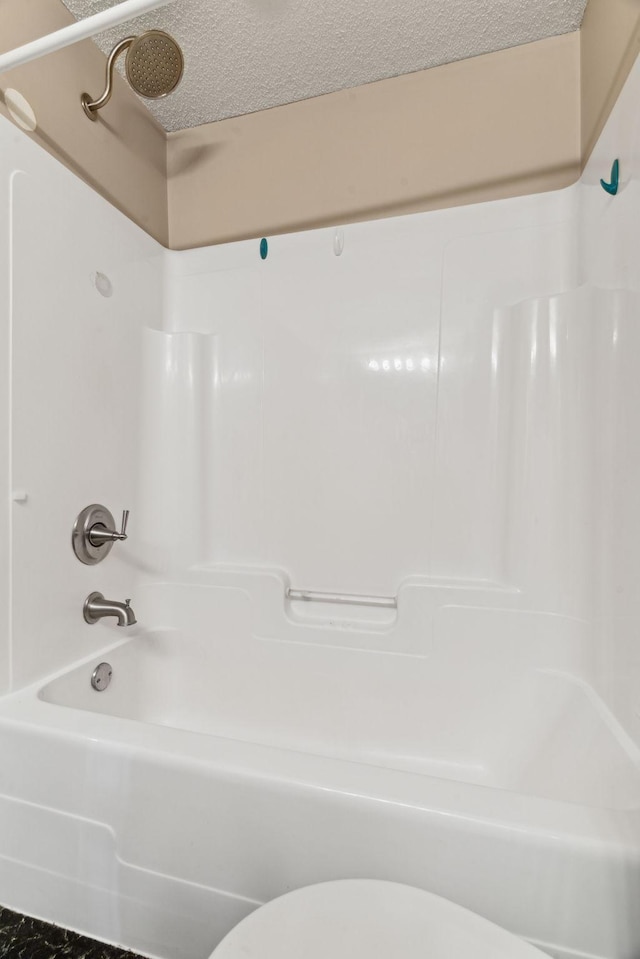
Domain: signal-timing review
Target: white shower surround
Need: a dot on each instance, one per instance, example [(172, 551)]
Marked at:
[(392, 421)]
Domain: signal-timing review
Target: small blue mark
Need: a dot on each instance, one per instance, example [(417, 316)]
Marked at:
[(264, 248), (612, 187)]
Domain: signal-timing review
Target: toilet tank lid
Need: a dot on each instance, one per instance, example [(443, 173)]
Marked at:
[(371, 919)]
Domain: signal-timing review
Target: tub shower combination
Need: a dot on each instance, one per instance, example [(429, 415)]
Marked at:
[(382, 554)]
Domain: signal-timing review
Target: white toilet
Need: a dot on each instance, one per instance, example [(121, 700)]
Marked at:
[(368, 919)]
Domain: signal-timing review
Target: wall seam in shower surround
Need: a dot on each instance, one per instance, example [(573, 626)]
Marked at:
[(432, 524), (10, 430)]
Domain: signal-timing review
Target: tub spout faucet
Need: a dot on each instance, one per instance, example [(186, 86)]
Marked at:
[(97, 607)]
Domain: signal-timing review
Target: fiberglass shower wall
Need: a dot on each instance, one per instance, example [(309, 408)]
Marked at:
[(69, 422), (447, 409), (407, 418), (609, 238)]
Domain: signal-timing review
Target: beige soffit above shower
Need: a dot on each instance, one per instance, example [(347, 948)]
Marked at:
[(610, 43), (499, 125), (123, 158), (491, 127), (243, 56)]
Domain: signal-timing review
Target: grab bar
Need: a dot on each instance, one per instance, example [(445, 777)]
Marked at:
[(346, 599)]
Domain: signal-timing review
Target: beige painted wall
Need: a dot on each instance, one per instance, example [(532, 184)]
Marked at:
[(508, 123), (610, 42), (123, 154), (494, 126)]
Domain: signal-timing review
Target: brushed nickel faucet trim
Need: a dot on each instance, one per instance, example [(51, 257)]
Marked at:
[(101, 677), (96, 607), (94, 533)]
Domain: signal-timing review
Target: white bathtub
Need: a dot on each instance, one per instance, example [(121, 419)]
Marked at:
[(158, 813)]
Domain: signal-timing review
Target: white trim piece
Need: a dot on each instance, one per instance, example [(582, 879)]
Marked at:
[(121, 13)]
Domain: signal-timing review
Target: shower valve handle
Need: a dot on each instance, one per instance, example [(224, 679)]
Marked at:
[(95, 532), (99, 534)]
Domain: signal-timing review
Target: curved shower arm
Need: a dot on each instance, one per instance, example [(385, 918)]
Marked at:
[(90, 106)]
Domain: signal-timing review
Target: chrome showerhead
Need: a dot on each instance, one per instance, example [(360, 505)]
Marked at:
[(153, 67)]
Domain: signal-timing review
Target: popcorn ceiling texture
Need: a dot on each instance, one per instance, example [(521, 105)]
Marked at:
[(248, 55)]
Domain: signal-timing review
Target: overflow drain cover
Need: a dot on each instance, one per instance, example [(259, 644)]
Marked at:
[(101, 676)]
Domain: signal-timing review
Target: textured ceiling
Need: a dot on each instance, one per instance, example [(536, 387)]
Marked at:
[(247, 55)]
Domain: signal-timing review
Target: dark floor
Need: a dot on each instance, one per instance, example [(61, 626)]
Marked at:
[(25, 938)]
